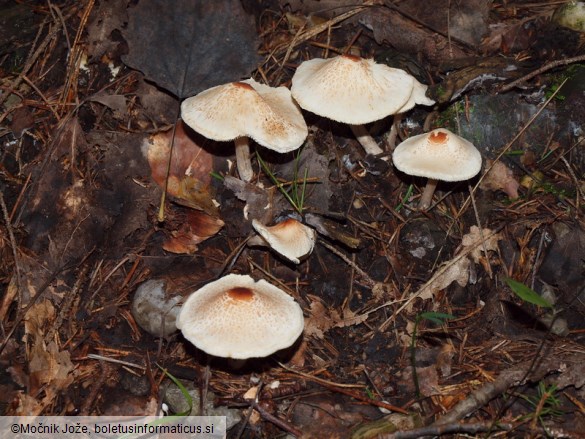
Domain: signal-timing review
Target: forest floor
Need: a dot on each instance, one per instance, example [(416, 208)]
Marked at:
[(462, 319)]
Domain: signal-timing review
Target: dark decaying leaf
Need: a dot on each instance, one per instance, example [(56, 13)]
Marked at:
[(186, 46), (194, 227), (189, 175)]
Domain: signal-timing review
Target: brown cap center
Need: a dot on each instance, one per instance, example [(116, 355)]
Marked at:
[(243, 85), (242, 294), (438, 137), (352, 57)]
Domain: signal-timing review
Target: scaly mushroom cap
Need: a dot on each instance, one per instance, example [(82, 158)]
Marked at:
[(439, 154), (291, 238), (236, 317), (350, 89), (247, 108)]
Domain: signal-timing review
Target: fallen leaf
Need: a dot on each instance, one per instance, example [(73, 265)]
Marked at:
[(196, 228), (116, 103), (190, 170), (260, 203), (106, 18), (500, 178), (187, 46), (457, 269), (49, 368), (474, 240)]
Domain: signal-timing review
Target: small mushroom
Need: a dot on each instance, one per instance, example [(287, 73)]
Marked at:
[(352, 90), (240, 110), (437, 155), (290, 238), (239, 318)]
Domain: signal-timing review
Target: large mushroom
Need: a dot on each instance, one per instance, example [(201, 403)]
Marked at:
[(247, 109), (437, 155), (352, 90), (239, 318)]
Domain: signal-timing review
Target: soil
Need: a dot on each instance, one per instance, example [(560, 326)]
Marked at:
[(461, 319)]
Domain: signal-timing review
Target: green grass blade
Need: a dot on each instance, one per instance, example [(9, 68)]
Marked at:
[(526, 293)]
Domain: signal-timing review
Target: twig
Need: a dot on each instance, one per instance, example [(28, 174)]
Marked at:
[(440, 272), (502, 152), (275, 420), (319, 380), (12, 242), (343, 388), (366, 278), (316, 30), (477, 220), (29, 63), (545, 68), (439, 430), (113, 360), (576, 182)]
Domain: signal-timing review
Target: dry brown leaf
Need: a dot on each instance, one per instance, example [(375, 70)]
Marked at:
[(474, 240), (319, 321), (116, 103), (322, 319), (190, 171), (457, 269), (500, 178), (349, 318), (196, 227), (49, 368), (456, 272)]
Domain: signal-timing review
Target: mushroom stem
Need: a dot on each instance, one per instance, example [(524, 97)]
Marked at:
[(366, 140), (393, 134), (243, 161), (427, 196)]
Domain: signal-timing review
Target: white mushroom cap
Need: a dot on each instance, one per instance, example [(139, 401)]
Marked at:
[(417, 97), (247, 108), (350, 89), (291, 238), (438, 154), (236, 317)]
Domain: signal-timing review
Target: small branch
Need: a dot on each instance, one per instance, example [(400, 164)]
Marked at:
[(366, 278), (439, 430), (545, 68)]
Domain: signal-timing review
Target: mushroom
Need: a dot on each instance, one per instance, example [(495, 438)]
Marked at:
[(239, 318), (352, 90), (437, 155), (290, 238), (240, 110)]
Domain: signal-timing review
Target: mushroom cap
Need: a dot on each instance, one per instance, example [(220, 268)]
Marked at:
[(247, 108), (438, 154), (291, 238), (417, 97), (351, 89), (236, 317)]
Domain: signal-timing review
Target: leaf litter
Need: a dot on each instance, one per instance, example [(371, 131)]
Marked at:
[(82, 203)]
